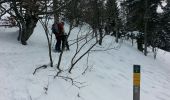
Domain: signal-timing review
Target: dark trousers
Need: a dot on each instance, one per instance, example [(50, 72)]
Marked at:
[(58, 44), (65, 42)]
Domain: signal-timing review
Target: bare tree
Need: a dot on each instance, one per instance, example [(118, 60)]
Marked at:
[(48, 34)]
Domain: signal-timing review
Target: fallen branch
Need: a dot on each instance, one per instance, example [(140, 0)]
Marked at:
[(43, 67)]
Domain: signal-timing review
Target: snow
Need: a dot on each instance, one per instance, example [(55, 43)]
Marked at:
[(109, 77)]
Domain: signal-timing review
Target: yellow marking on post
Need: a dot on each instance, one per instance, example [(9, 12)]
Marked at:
[(136, 79)]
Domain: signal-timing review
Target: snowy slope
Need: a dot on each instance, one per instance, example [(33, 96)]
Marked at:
[(108, 78)]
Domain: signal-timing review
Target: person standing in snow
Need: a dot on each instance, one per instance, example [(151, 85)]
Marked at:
[(57, 36), (58, 30), (63, 36)]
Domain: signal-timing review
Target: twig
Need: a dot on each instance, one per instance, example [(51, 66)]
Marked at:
[(79, 85), (58, 73), (43, 66)]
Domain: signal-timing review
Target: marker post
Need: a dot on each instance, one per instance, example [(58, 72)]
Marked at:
[(136, 82)]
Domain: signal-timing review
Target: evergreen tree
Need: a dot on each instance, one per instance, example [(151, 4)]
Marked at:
[(142, 17), (164, 32), (112, 15)]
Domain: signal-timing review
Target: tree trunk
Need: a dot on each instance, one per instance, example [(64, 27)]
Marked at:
[(140, 44), (117, 39), (145, 39), (56, 13), (101, 36), (20, 31), (145, 30), (28, 28), (96, 35), (116, 29)]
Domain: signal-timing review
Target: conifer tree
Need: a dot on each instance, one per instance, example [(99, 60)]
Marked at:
[(112, 15), (142, 17)]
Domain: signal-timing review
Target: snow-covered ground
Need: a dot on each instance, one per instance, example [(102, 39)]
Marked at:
[(109, 77)]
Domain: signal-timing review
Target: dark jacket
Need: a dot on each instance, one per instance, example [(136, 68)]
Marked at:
[(58, 30)]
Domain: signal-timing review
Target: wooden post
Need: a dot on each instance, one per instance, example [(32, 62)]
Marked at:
[(136, 82)]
